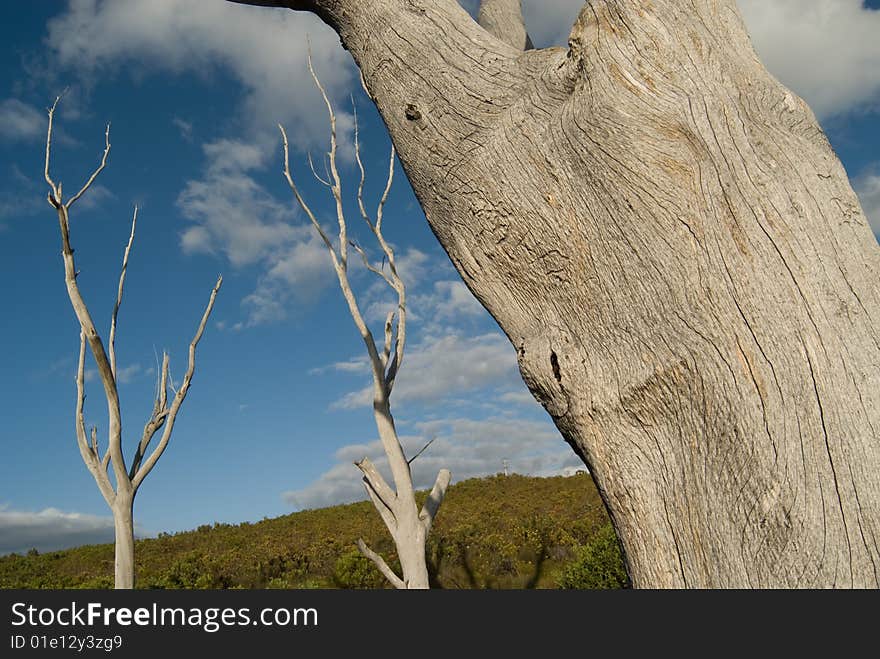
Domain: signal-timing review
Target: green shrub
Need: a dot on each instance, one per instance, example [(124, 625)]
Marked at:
[(97, 583), (597, 565), (194, 571), (353, 570)]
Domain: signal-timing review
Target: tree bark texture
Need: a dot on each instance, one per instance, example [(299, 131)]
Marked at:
[(666, 236), (123, 520)]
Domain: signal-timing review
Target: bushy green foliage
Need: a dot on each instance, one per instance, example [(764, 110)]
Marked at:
[(598, 564), (194, 570), (497, 532), (353, 570)]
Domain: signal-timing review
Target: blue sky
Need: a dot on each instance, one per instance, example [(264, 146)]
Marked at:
[(276, 415)]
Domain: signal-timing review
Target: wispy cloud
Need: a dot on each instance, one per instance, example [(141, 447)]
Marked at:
[(447, 366), (237, 217), (827, 51), (51, 529), (231, 212), (353, 365), (20, 196), (184, 127), (233, 215), (264, 49), (20, 121), (467, 447), (127, 374)]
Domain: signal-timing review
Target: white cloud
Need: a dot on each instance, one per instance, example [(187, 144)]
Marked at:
[(467, 447), (185, 128), (51, 529), (96, 196), (353, 365), (300, 272), (263, 49), (232, 212), (127, 374), (414, 267), (867, 185), (449, 301), (522, 397), (235, 215), (20, 121), (447, 366), (828, 51)]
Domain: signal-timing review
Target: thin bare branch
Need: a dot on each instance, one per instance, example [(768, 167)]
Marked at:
[(422, 450), (339, 266), (80, 389), (315, 173), (55, 190), (94, 175), (89, 452), (180, 395), (301, 201), (111, 343), (435, 498), (114, 449), (381, 209), (369, 266), (157, 418), (334, 171), (363, 172), (380, 563)]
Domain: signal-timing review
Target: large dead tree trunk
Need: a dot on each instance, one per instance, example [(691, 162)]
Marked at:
[(664, 233)]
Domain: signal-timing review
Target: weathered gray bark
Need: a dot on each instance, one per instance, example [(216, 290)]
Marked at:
[(504, 19), (120, 498), (665, 234), (123, 523)]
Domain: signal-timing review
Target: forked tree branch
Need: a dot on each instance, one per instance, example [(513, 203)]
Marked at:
[(179, 397), (105, 371), (89, 452), (397, 506), (127, 482), (94, 175), (157, 418), (111, 343)]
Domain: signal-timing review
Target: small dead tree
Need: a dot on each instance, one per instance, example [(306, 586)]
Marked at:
[(127, 479), (397, 506)]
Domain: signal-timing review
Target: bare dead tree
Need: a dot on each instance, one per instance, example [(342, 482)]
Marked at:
[(671, 245), (127, 480), (397, 506)]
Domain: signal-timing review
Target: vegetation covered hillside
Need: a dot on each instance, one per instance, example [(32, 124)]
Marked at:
[(497, 532)]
